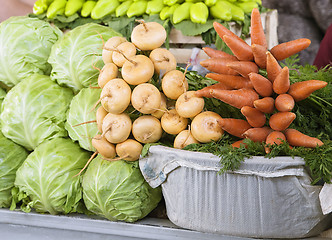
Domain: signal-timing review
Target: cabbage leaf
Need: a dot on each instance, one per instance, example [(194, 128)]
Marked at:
[(45, 181), (25, 45), (81, 111), (12, 156), (117, 190), (73, 56), (35, 110), (2, 97)]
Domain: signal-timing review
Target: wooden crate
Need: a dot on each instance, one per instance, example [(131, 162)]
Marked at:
[(187, 43)]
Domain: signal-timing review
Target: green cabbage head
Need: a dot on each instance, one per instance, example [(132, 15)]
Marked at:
[(46, 180), (35, 110), (12, 156), (117, 190), (25, 45), (73, 56), (2, 97), (80, 111)]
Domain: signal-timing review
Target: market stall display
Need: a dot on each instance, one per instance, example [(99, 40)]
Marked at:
[(110, 99)]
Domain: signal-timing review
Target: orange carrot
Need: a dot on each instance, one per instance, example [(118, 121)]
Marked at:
[(243, 67), (261, 84), (214, 53), (284, 102), (296, 138), (218, 65), (235, 82), (236, 98), (207, 91), (238, 144), (259, 53), (235, 127), (240, 49), (272, 67), (281, 120), (265, 105), (257, 134), (281, 83), (257, 32), (274, 137), (302, 90), (287, 49), (222, 31), (254, 117)]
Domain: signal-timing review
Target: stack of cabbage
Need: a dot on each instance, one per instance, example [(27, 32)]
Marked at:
[(46, 75)]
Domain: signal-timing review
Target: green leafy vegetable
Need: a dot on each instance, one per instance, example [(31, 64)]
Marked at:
[(35, 110), (117, 190), (12, 156), (74, 55), (80, 111), (25, 45), (2, 97), (45, 181)]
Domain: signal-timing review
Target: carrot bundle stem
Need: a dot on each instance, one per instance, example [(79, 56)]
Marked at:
[(274, 137), (257, 134), (214, 53), (281, 83), (235, 82), (287, 49), (218, 65), (236, 98), (257, 32), (243, 67), (233, 126), (238, 144), (222, 31), (265, 105), (284, 102), (254, 117), (207, 91), (261, 84), (296, 138), (281, 120), (302, 90), (272, 67), (239, 48), (259, 53)]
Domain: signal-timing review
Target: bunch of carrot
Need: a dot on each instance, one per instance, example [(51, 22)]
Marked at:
[(259, 98)]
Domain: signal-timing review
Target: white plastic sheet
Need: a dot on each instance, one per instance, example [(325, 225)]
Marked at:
[(265, 198)]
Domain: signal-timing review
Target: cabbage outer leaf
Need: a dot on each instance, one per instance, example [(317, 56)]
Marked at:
[(35, 110), (118, 191), (25, 45), (81, 111), (73, 56), (46, 181), (12, 156)]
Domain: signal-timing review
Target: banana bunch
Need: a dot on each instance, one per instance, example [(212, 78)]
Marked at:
[(198, 11)]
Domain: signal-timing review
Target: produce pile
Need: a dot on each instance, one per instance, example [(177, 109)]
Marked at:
[(78, 109), (144, 96), (43, 145), (259, 97), (196, 15), (177, 10)]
